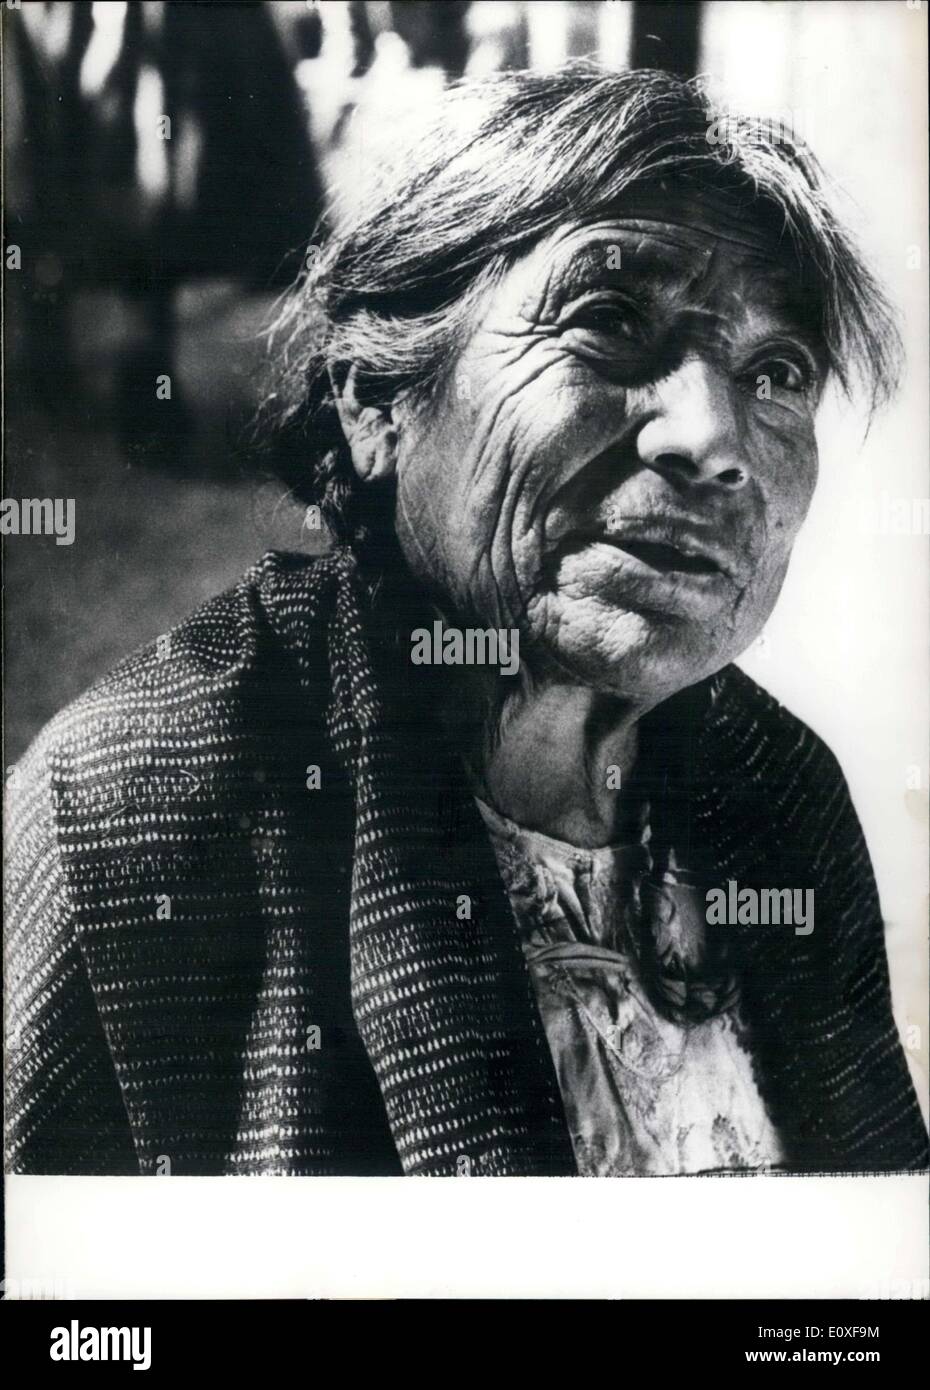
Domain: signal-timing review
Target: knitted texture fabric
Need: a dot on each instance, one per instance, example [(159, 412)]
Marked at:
[(254, 923)]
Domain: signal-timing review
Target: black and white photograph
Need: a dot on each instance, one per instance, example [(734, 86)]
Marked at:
[(465, 520)]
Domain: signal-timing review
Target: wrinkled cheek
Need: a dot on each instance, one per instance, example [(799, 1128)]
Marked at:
[(516, 547), (487, 552), (786, 464)]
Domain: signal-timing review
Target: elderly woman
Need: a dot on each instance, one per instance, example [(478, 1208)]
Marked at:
[(321, 883)]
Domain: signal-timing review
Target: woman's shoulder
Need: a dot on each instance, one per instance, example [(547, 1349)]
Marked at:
[(202, 683), (765, 767), (773, 779), (749, 725)]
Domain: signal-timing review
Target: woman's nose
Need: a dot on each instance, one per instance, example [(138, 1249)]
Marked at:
[(695, 430)]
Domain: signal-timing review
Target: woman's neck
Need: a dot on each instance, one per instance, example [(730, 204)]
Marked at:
[(553, 756), (549, 754)]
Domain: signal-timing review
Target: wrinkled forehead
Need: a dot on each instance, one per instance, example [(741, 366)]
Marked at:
[(741, 219), (694, 241)]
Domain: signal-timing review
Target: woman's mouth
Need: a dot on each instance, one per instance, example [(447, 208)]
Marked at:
[(662, 565), (667, 559), (663, 546)]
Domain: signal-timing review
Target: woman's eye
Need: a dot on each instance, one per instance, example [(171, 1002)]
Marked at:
[(608, 317), (785, 373)]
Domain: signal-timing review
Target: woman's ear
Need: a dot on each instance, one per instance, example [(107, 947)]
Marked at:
[(369, 429)]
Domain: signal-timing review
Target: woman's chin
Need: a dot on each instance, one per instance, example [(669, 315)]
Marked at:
[(641, 657)]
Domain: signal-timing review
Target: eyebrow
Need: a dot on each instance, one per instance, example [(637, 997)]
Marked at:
[(655, 263), (779, 291)]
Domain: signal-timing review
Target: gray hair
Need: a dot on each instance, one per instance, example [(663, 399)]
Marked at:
[(501, 163)]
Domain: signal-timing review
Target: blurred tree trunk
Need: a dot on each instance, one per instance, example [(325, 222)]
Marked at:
[(665, 35), (434, 33), (257, 193), (50, 221)]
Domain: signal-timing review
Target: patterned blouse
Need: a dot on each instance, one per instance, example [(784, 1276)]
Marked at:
[(643, 1094)]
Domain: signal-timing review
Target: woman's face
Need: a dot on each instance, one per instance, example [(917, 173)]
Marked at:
[(623, 453)]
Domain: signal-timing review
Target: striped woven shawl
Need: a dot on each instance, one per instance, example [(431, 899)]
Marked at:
[(233, 943)]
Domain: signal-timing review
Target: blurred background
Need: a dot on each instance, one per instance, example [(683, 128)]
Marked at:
[(165, 163)]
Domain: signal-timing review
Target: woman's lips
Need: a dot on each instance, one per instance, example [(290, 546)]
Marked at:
[(667, 559), (665, 546), (660, 566)]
